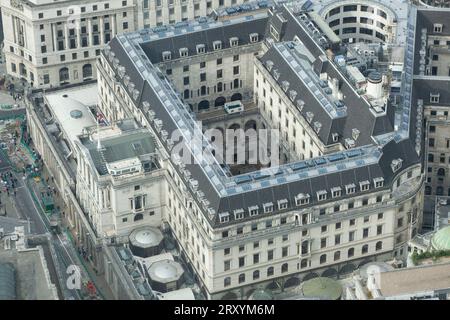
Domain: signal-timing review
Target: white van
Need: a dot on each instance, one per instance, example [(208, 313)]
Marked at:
[(234, 107)]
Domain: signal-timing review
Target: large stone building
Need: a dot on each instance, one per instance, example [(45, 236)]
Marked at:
[(350, 186), (50, 43)]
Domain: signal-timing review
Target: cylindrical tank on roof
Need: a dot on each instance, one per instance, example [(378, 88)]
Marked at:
[(375, 85), (166, 275), (146, 241)]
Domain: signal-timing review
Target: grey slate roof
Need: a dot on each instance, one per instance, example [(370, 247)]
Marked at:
[(426, 18), (357, 116), (155, 89), (222, 31)]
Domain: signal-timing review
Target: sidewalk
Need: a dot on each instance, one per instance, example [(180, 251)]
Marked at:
[(99, 281)]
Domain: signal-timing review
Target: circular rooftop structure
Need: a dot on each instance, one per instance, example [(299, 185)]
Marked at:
[(76, 114), (375, 77), (363, 20), (146, 242), (166, 275), (322, 288), (374, 267), (441, 239)]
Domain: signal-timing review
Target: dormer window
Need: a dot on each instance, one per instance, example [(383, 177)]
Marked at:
[(349, 143), (238, 214), (396, 164), (276, 74), (268, 207), (217, 45), (437, 27), (302, 199), (378, 182), (254, 37), (253, 211), (335, 137), (224, 217), (269, 65), (434, 97), (234, 41), (317, 126), (355, 133), (309, 116), (292, 94), (336, 192), (322, 195), (167, 55), (300, 104), (350, 188), (285, 85), (184, 52), (364, 185), (201, 48), (282, 204)]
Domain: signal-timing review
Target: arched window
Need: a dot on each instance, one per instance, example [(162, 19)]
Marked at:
[(284, 267), (87, 71), (351, 252), (63, 74), (242, 278), (203, 105), (323, 258), (365, 249), (270, 271), (256, 275), (226, 281), (441, 172), (138, 217), (379, 245), (337, 255)]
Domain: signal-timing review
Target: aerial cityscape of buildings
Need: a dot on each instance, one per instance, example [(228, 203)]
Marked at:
[(225, 150)]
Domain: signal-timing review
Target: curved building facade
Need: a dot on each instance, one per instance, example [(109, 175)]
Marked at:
[(364, 21)]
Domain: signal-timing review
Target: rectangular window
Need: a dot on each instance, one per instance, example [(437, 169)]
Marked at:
[(365, 232), (337, 239), (323, 242), (351, 236)]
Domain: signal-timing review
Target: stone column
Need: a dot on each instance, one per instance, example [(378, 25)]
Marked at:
[(66, 36), (102, 31), (113, 25), (78, 31), (55, 37), (90, 35)]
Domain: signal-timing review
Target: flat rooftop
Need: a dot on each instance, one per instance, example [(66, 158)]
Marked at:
[(31, 273), (71, 109), (415, 280)]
